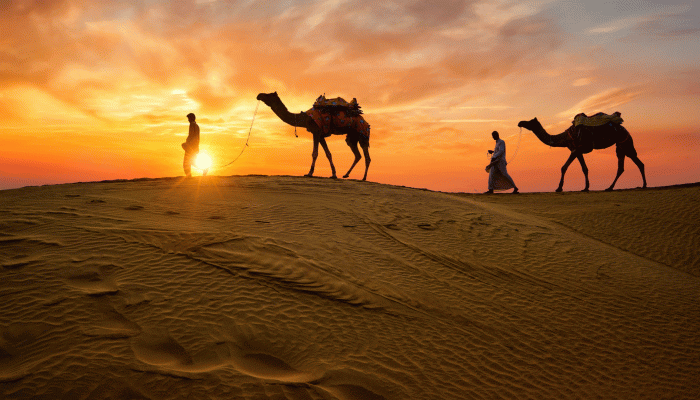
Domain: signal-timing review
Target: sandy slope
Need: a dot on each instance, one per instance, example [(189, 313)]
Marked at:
[(295, 288)]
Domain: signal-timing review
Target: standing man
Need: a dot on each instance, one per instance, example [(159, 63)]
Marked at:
[(498, 175), (191, 145)]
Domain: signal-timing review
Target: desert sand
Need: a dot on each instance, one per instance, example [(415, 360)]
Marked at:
[(270, 287)]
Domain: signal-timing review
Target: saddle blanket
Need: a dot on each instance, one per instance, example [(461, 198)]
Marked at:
[(597, 119), (337, 103), (328, 122)]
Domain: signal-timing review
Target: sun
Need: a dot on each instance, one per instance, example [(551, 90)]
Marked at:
[(203, 161)]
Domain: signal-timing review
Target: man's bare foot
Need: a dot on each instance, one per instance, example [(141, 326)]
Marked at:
[(515, 191), (489, 191)]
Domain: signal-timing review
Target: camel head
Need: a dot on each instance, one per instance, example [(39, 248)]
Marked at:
[(530, 125), (268, 97)]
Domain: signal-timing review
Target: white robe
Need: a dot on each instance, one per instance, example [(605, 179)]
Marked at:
[(498, 174)]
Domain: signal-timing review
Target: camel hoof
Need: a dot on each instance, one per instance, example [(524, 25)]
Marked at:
[(585, 190), (309, 175), (558, 190), (609, 189), (346, 175)]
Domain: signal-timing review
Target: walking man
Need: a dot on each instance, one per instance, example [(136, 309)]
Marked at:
[(191, 145), (498, 174)]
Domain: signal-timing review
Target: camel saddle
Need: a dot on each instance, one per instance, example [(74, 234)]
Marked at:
[(338, 113), (597, 119), (337, 104)]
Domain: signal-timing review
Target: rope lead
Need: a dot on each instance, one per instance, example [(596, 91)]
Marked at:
[(247, 139)]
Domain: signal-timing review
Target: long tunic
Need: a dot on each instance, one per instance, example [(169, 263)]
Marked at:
[(498, 174), (191, 145)]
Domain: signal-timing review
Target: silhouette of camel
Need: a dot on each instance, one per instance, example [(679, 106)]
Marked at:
[(584, 139), (303, 120)]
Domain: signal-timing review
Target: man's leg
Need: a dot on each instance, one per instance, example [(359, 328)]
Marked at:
[(187, 164)]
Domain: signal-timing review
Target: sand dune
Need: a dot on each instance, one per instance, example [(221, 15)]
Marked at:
[(262, 287)]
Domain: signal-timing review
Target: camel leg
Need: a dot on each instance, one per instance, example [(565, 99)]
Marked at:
[(365, 149), (620, 170), (314, 155), (585, 170), (568, 162), (640, 165), (328, 154), (356, 152)]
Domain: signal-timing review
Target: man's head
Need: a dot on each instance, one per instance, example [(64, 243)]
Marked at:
[(495, 135), (191, 117)]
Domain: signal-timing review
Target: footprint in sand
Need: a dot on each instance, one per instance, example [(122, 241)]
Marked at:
[(160, 350), (260, 364), (172, 213), (110, 323), (216, 217), (15, 264), (134, 208), (427, 227), (352, 392), (353, 385), (164, 353), (97, 201), (93, 280), (393, 227)]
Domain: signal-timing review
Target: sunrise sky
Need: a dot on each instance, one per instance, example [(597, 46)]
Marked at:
[(97, 89)]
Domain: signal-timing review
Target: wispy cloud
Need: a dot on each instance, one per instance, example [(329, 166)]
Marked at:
[(673, 22), (617, 25), (604, 102)]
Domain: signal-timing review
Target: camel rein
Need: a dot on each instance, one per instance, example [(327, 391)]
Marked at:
[(517, 147), (247, 139)]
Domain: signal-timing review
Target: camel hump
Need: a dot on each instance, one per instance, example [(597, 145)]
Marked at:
[(336, 105), (597, 119)]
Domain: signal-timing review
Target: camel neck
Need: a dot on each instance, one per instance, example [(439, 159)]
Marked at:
[(550, 140)]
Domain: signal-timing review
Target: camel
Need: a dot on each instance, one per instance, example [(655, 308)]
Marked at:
[(584, 139), (304, 120)]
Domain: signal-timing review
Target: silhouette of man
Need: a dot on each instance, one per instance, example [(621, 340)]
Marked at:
[(191, 145), (498, 174)]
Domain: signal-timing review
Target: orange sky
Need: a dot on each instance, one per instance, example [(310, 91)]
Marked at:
[(94, 90)]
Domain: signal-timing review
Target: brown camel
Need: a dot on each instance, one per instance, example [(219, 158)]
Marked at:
[(584, 139), (303, 120)]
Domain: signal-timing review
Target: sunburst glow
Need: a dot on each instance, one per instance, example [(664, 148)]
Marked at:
[(203, 161)]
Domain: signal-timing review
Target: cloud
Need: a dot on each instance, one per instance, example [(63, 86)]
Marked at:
[(615, 26), (668, 26), (222, 52), (606, 101), (582, 82)]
